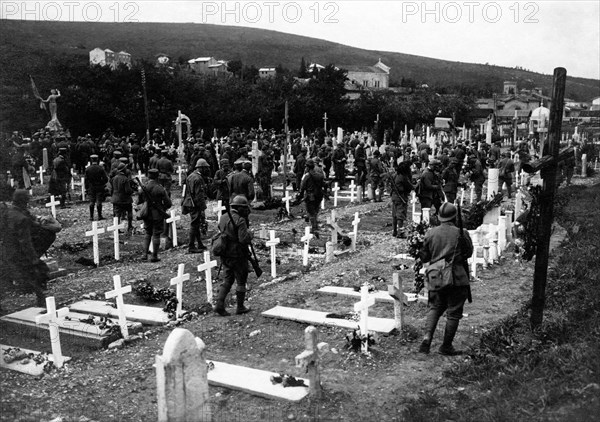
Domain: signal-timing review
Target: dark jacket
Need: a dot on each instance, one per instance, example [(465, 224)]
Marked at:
[(440, 243), (121, 189), (95, 176), (240, 183), (196, 189), (450, 177), (401, 188), (18, 249), (159, 197), (165, 167), (237, 234), (312, 186), (430, 184)]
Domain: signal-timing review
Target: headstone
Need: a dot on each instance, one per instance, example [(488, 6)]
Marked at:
[(178, 282), (255, 154), (502, 233), (395, 291), (207, 268), (518, 204), (272, 243), (45, 158), (118, 294), (509, 224), (329, 251), (172, 220), (306, 239), (363, 308), (41, 173), (219, 208), (181, 379), (335, 191), (115, 229), (369, 192), (310, 358), (332, 229), (52, 205), (51, 318), (462, 196), (94, 233), (352, 191), (493, 187), (323, 204), (584, 165), (355, 231), (183, 191), (72, 180), (359, 194)]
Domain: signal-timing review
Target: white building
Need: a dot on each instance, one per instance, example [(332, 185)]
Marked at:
[(267, 72)]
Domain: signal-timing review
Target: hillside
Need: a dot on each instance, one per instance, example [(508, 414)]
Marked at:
[(28, 46)]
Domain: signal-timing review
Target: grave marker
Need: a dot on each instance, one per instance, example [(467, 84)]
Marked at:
[(425, 212), (173, 222), (472, 197), (83, 188), (287, 198), (493, 186), (51, 318), (395, 291), (329, 251), (179, 174), (584, 164), (462, 196), (52, 205), (355, 232), (118, 293), (115, 229), (335, 191), (309, 360), (363, 308), (207, 268), (178, 282), (219, 208), (333, 229), (181, 379), (45, 158), (94, 233), (502, 233), (41, 173), (352, 191), (272, 243), (306, 239)]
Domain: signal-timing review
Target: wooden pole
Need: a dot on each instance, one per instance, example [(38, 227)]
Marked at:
[(286, 142), (547, 198), (146, 105)]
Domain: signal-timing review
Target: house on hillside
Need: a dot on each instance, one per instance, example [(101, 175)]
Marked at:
[(107, 57), (377, 76), (267, 72), (208, 66), (123, 57), (595, 104)]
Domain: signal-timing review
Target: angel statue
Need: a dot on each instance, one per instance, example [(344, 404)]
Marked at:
[(51, 101)]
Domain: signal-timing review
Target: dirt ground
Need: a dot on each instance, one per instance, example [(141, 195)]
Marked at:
[(107, 385)]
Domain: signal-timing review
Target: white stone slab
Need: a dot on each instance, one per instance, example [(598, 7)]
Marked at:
[(144, 314), (380, 325), (253, 381), (380, 295), (30, 368)]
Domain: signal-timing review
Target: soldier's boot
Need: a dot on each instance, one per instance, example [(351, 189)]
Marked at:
[(432, 319), (92, 212), (394, 226), (446, 348), (192, 243), (146, 246), (220, 305), (99, 208), (241, 309), (155, 247)]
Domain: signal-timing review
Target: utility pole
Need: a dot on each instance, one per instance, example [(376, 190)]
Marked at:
[(146, 105), (286, 142)]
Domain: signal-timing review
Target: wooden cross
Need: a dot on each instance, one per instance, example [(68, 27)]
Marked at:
[(180, 174), (207, 268), (82, 188), (352, 189), (272, 243), (173, 221), (425, 212), (462, 196), (287, 198), (178, 281), (183, 191), (335, 190), (51, 317), (72, 179), (45, 158), (94, 233), (118, 293), (472, 193), (41, 173), (115, 229), (219, 208), (325, 122), (52, 205), (333, 229), (355, 232), (306, 239), (309, 360), (140, 175), (395, 291), (363, 308)]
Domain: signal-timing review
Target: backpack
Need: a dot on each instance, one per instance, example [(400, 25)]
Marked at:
[(218, 244)]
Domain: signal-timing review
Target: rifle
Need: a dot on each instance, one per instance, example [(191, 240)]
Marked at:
[(252, 259), (461, 242)]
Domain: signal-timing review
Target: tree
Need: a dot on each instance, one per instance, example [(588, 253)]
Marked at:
[(303, 71), (235, 67)]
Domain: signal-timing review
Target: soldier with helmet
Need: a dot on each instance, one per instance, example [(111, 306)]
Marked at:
[(194, 203), (240, 182), (311, 188), (431, 186)]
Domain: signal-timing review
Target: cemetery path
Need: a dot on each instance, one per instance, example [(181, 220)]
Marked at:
[(119, 384)]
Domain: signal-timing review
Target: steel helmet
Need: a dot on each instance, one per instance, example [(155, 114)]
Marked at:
[(239, 201)]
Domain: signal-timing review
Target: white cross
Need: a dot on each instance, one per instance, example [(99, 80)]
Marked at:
[(52, 205), (333, 229), (118, 293), (219, 208), (178, 281), (82, 188), (287, 198), (306, 239), (51, 317), (41, 173), (272, 243), (395, 291), (72, 179), (462, 196), (173, 221), (323, 204), (207, 268), (95, 232), (352, 189), (309, 360), (180, 173), (115, 229), (335, 191), (425, 212), (363, 308), (183, 191), (355, 232), (141, 176), (472, 193)]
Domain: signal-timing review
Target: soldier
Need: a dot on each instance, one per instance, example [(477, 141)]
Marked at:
[(450, 177), (165, 169), (401, 186), (95, 186), (339, 165), (376, 174), (122, 196), (299, 167), (431, 186), (311, 188), (195, 202), (240, 183), (265, 169), (158, 203), (506, 168), (360, 162), (220, 183), (61, 176)]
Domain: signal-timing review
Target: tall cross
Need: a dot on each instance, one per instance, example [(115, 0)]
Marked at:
[(173, 219), (178, 281), (472, 196), (118, 294), (335, 191), (395, 291), (95, 232), (207, 268), (180, 174), (219, 208), (363, 308), (183, 191), (72, 179), (51, 317), (41, 173), (259, 123), (287, 198), (272, 243), (325, 122), (352, 189), (115, 229), (306, 239), (140, 175), (83, 188), (462, 196), (355, 231), (52, 205), (309, 360)]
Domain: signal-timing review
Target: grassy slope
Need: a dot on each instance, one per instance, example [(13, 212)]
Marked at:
[(28, 45), (553, 374)]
